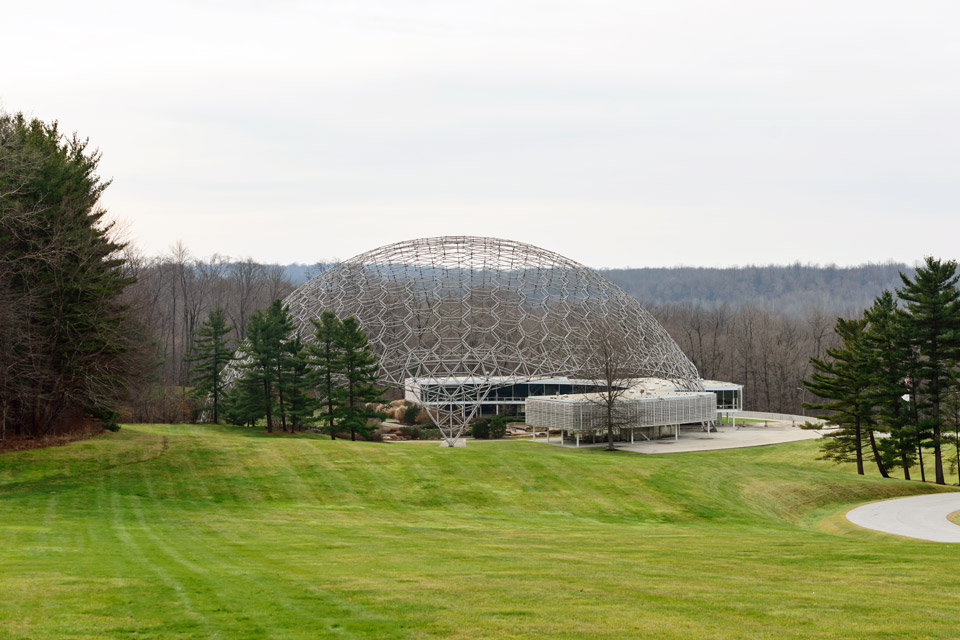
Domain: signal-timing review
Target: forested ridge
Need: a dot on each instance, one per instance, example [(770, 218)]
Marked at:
[(788, 289), (792, 289)]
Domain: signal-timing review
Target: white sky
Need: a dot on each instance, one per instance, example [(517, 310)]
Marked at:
[(614, 132)]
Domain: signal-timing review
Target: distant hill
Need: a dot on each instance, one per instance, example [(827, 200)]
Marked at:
[(299, 273), (788, 289)]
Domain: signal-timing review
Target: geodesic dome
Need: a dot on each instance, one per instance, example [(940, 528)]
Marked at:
[(466, 312)]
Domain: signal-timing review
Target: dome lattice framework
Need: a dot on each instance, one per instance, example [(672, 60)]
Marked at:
[(464, 311)]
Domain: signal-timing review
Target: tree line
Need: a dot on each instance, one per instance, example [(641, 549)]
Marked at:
[(69, 346), (284, 381), (767, 352), (171, 295), (892, 383)]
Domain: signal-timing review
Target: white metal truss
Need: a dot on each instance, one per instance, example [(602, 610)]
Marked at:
[(457, 308)]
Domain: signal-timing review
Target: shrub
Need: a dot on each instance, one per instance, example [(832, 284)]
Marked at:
[(480, 429), (410, 414), (492, 428), (420, 433), (410, 432)]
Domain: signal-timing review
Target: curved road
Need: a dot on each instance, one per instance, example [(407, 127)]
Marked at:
[(923, 517)]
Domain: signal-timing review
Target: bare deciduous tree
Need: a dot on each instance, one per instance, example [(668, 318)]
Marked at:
[(606, 365)]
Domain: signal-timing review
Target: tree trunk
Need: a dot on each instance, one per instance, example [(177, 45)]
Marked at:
[(283, 413), (610, 446), (956, 443), (923, 475), (937, 456), (859, 446), (353, 430), (916, 426), (876, 456), (333, 431), (267, 399)]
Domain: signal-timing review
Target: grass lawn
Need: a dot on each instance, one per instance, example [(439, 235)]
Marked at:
[(221, 532)]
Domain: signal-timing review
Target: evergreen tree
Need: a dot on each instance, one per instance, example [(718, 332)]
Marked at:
[(243, 401), (325, 356), (360, 372), (844, 380), (298, 378), (274, 358), (279, 327), (890, 351), (952, 415), (65, 336), (261, 350), (932, 320), (211, 353)]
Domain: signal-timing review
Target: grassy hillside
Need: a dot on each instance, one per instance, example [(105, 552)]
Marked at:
[(186, 531)]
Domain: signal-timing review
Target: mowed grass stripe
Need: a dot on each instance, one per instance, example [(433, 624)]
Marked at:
[(231, 533)]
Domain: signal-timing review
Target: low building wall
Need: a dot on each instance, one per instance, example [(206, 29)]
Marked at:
[(577, 414)]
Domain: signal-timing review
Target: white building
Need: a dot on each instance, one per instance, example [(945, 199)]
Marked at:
[(651, 408)]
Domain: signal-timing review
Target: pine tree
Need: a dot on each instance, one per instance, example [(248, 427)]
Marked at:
[(297, 380), (325, 355), (844, 380), (890, 374), (65, 348), (360, 371), (279, 328), (243, 401), (952, 414), (932, 320), (211, 353), (260, 356)]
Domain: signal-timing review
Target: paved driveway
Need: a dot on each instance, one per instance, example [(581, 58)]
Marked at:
[(923, 517), (726, 438)]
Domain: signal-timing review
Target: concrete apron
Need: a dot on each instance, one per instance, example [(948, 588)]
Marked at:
[(725, 438)]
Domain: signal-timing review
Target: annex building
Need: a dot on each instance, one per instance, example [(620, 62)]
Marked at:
[(650, 408)]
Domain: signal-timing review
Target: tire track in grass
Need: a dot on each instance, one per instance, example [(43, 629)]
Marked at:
[(69, 478), (187, 467), (332, 482), (101, 534), (259, 560), (164, 522), (297, 489), (49, 520), (196, 558), (342, 614), (248, 565), (132, 547)]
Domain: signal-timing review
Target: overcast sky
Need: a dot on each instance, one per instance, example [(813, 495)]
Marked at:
[(615, 132)]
